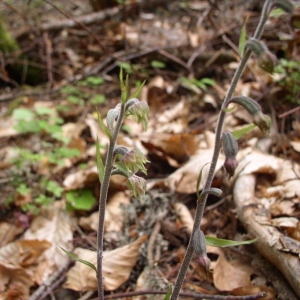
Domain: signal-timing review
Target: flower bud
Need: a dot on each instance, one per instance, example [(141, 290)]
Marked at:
[(230, 148), (263, 122), (230, 165), (257, 46), (267, 61), (230, 145), (134, 161), (249, 104), (200, 251), (137, 185), (111, 117), (139, 110)]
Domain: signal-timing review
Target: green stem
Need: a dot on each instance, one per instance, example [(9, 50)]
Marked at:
[(201, 204), (103, 198)]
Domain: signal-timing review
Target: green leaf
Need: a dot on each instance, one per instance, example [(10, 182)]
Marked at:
[(169, 294), (53, 187), (74, 99), (243, 38), (277, 12), (229, 109), (100, 165), (98, 99), (158, 64), (215, 242), (243, 131), (42, 110), (93, 80), (138, 90), (80, 199), (102, 125), (75, 257), (24, 114), (23, 189)]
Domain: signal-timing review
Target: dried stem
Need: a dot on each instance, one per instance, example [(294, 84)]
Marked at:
[(201, 204)]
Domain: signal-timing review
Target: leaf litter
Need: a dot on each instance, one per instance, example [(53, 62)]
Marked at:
[(180, 141)]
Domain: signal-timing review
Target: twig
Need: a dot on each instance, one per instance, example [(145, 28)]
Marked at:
[(76, 21), (184, 295), (291, 111), (48, 46), (72, 22), (151, 242), (55, 280), (86, 296)]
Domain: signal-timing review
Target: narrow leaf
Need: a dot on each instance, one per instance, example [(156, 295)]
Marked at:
[(76, 258), (100, 165), (121, 78), (138, 90), (243, 131), (199, 181), (215, 242), (229, 109), (243, 38), (169, 294), (102, 125)]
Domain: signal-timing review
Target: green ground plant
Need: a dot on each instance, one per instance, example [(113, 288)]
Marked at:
[(289, 79), (78, 95), (43, 191)]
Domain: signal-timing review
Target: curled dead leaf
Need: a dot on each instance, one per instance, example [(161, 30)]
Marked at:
[(184, 215), (117, 265)]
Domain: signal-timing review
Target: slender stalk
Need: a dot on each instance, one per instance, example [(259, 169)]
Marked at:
[(201, 204), (103, 198)]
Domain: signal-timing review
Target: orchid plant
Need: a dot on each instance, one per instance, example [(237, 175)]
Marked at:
[(119, 159), (128, 162)]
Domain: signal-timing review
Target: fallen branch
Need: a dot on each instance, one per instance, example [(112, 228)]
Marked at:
[(256, 221), (69, 23)]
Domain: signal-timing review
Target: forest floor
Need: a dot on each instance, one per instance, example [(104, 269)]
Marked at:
[(187, 51)]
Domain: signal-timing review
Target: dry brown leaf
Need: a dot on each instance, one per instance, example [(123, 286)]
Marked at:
[(55, 225), (230, 275), (70, 130), (184, 215), (18, 262), (254, 161), (7, 127), (179, 146), (96, 132), (184, 179), (113, 216), (117, 265), (285, 222), (8, 232), (252, 290), (296, 146), (81, 178)]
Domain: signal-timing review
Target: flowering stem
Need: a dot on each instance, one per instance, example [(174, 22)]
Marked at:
[(103, 198), (202, 202)]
